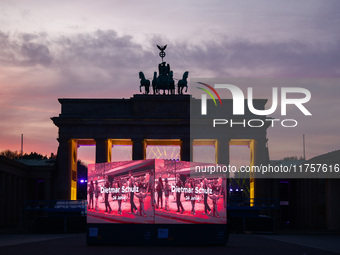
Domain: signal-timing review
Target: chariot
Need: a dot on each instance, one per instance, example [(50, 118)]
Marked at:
[(165, 80)]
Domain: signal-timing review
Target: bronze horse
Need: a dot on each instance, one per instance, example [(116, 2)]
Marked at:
[(154, 83), (144, 83), (183, 83)]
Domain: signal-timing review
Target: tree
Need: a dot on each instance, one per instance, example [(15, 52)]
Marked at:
[(33, 155), (10, 154)]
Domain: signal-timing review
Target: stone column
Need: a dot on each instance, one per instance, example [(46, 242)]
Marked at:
[(223, 150), (138, 149), (66, 179), (103, 150), (261, 152), (74, 176), (223, 157), (186, 149)]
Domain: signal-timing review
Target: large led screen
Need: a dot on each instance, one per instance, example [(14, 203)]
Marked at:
[(154, 191)]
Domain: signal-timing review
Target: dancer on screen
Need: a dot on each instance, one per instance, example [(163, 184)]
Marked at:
[(205, 188), (132, 194), (106, 195), (215, 197), (151, 188), (167, 191), (159, 190), (192, 196), (96, 194), (179, 184), (91, 192), (118, 194), (141, 196)]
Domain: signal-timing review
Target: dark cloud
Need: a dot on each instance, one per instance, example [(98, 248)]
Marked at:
[(29, 37), (286, 59), (105, 64), (35, 53), (117, 55), (102, 63), (6, 51), (24, 50), (103, 49)]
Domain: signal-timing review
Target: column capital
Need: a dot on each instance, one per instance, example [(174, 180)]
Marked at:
[(224, 139), (64, 140), (101, 139)]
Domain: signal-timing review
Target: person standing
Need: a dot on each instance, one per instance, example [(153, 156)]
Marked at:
[(91, 191), (160, 191), (179, 185), (127, 184), (142, 185), (205, 190), (106, 196), (215, 197), (151, 188), (167, 191), (141, 196), (192, 196), (132, 194), (96, 194), (118, 194)]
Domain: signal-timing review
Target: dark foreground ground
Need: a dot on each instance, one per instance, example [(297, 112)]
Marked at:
[(238, 244)]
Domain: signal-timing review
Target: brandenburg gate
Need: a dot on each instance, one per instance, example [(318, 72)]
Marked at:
[(149, 119), (139, 121)]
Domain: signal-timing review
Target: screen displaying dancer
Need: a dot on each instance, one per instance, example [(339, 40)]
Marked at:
[(125, 192)]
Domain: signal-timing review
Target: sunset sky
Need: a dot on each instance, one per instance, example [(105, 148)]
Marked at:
[(95, 49)]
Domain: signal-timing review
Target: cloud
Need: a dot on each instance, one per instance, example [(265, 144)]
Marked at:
[(103, 54), (239, 58), (35, 53), (24, 50), (38, 68)]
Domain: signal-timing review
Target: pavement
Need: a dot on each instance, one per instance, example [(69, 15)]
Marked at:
[(238, 244)]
